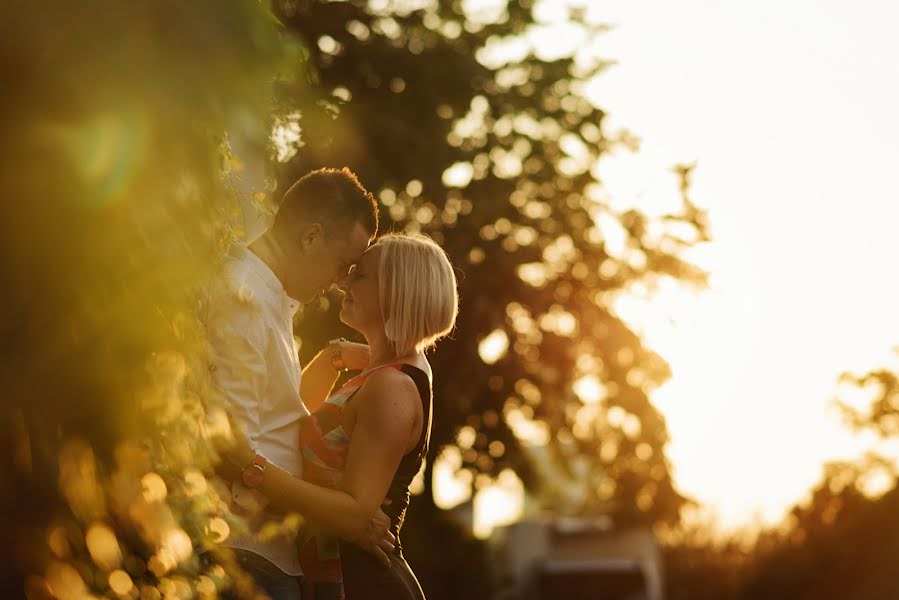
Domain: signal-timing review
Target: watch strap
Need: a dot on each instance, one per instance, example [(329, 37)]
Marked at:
[(336, 354), (253, 473)]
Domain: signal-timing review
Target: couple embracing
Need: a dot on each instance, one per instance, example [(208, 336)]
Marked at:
[(342, 458)]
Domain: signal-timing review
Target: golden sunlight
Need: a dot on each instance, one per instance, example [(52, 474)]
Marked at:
[(494, 346), (499, 502)]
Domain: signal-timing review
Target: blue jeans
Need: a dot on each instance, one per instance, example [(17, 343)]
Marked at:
[(272, 580)]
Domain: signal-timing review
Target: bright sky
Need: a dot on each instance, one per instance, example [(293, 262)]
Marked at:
[(789, 108)]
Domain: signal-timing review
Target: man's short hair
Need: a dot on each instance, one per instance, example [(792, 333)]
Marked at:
[(332, 197)]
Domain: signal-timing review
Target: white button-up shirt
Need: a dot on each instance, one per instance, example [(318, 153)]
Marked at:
[(255, 368)]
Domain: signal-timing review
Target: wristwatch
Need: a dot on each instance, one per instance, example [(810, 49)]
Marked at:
[(336, 354), (253, 472)]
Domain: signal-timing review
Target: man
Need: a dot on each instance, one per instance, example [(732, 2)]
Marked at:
[(325, 222)]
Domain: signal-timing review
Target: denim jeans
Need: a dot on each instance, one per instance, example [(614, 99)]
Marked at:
[(270, 579)]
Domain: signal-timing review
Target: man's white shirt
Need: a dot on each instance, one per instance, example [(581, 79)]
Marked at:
[(254, 365)]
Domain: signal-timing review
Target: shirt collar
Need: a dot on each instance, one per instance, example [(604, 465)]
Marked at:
[(261, 268)]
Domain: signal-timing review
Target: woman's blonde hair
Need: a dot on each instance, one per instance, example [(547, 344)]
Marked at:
[(417, 286)]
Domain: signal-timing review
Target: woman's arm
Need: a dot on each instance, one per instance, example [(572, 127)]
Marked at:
[(319, 374), (386, 410)]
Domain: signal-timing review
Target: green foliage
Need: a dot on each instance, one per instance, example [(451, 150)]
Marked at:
[(114, 210), (471, 133)]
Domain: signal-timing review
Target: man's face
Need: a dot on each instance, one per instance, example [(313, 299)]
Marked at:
[(322, 260)]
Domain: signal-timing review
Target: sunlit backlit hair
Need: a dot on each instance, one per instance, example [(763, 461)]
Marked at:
[(417, 286), (332, 196)]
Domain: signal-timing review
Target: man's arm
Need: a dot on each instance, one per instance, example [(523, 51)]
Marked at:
[(319, 374), (237, 377), (236, 361)]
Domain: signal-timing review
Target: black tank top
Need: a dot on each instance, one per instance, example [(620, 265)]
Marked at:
[(398, 492)]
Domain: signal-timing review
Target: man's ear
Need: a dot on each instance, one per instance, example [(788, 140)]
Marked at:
[(311, 236)]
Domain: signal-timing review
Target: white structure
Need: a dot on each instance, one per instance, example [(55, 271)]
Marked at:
[(577, 558)]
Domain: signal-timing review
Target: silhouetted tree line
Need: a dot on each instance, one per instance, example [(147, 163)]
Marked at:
[(842, 543)]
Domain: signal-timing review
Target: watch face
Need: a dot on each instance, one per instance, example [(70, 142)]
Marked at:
[(252, 476)]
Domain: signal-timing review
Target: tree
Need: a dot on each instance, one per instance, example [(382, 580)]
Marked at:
[(469, 130), (114, 209)]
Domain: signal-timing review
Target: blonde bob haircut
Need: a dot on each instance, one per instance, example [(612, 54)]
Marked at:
[(417, 288)]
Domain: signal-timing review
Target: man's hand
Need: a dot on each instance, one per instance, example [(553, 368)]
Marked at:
[(232, 446), (377, 539)]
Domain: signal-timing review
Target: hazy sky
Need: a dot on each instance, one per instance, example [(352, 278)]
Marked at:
[(789, 108)]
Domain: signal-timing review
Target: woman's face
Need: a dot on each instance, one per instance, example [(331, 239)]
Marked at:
[(361, 308)]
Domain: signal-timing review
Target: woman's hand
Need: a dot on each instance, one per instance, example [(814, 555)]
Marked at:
[(355, 356)]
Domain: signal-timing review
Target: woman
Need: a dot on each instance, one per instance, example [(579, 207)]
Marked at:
[(363, 444)]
